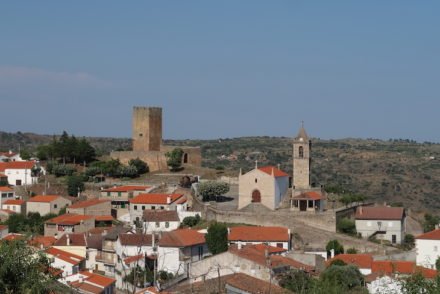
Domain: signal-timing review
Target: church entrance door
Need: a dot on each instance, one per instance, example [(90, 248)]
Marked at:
[(303, 205), (256, 196)]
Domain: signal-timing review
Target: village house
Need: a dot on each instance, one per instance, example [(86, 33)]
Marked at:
[(16, 205), (5, 214), (362, 261), (45, 204), (248, 235), (266, 185), (381, 222), (155, 201), (67, 262), (311, 201), (42, 242), (4, 231), (10, 156), (87, 282), (160, 221), (119, 195), (20, 172), (75, 243), (428, 248), (95, 207), (3, 179), (68, 223), (6, 193), (179, 248)]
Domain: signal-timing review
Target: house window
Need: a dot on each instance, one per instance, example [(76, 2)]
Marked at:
[(143, 207), (108, 194), (153, 207), (435, 248), (135, 207), (55, 206), (119, 194), (393, 239), (167, 224), (157, 224), (162, 207), (280, 245), (310, 203)]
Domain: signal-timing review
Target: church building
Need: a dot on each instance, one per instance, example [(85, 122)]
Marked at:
[(266, 185)]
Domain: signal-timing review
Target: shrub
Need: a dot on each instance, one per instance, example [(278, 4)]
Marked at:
[(347, 226), (191, 221), (217, 238), (334, 244), (352, 251), (210, 190)]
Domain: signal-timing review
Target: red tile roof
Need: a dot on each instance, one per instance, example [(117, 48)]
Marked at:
[(37, 241), (14, 202), (44, 198), (433, 235), (132, 259), (270, 249), (257, 234), (154, 215), (12, 237), (64, 255), (8, 154), (6, 189), (75, 239), (379, 212), (154, 198), (103, 218), (271, 169), (88, 203), (181, 200), (85, 287), (69, 219), (360, 260), (312, 195), (16, 165), (3, 227), (393, 266), (136, 239), (250, 284), (182, 238), (127, 188), (98, 279)]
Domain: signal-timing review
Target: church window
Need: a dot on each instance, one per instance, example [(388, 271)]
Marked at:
[(256, 181), (301, 152)]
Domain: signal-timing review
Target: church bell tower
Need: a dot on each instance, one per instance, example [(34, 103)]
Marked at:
[(301, 159)]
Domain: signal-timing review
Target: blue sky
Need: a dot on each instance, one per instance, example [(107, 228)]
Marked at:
[(222, 68)]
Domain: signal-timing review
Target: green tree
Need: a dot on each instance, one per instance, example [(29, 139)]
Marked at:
[(23, 270), (191, 221), (334, 244), (430, 222), (217, 238), (352, 251), (174, 158), (127, 171), (296, 281), (408, 242), (140, 165), (338, 262), (75, 184), (210, 190), (347, 276), (346, 226)]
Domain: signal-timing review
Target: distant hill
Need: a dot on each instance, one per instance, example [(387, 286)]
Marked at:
[(400, 172)]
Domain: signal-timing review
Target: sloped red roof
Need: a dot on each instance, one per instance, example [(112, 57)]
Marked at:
[(250, 284), (103, 218), (127, 188), (75, 239), (270, 249), (44, 198), (16, 165), (8, 211), (182, 238), (69, 219), (433, 235), (12, 237), (276, 172), (136, 239), (154, 215), (250, 233), (360, 260), (393, 266), (312, 195), (6, 189), (98, 279), (64, 255), (14, 202), (88, 203), (155, 198), (379, 213), (46, 241)]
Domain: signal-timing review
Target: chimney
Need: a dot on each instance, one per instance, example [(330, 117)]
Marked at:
[(80, 279), (241, 172), (266, 253), (279, 166), (332, 253), (239, 246), (436, 226), (67, 240), (168, 199), (273, 173), (90, 271)]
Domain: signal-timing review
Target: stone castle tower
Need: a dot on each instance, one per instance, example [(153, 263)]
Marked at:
[(147, 129), (301, 160)]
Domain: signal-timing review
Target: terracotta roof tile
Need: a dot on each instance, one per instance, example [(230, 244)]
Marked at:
[(276, 172), (253, 285), (132, 259), (45, 241), (44, 198), (182, 238), (103, 218), (433, 235), (360, 260), (69, 219), (6, 189), (3, 227), (98, 279), (127, 188), (14, 202), (270, 249), (380, 212), (136, 239), (88, 203), (16, 165), (7, 211), (151, 215), (250, 233), (64, 255), (155, 198), (12, 237), (312, 195), (85, 287), (75, 239)]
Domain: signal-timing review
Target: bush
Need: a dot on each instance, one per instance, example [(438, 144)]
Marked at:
[(127, 171), (296, 281), (347, 277), (210, 190), (74, 185), (346, 226), (174, 159), (334, 244), (191, 221), (408, 242), (140, 166), (352, 251), (60, 170), (217, 238), (338, 262)]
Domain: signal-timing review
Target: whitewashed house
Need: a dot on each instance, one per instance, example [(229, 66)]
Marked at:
[(428, 248), (381, 222), (68, 262), (251, 235), (10, 156), (20, 172), (16, 205), (6, 193), (160, 221)]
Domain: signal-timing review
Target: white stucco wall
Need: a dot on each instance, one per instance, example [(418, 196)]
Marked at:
[(150, 227), (20, 174), (427, 252), (256, 180), (391, 227)]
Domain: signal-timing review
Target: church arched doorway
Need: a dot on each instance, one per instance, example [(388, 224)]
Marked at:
[(256, 196)]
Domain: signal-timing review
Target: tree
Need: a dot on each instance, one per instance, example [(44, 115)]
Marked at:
[(430, 222), (174, 158), (296, 281), (23, 270), (346, 226), (437, 263), (191, 221), (210, 190), (408, 242), (352, 251), (140, 165), (75, 184), (334, 244), (217, 238), (338, 262), (127, 171), (346, 276)]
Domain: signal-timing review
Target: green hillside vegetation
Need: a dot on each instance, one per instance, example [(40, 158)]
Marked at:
[(399, 172)]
